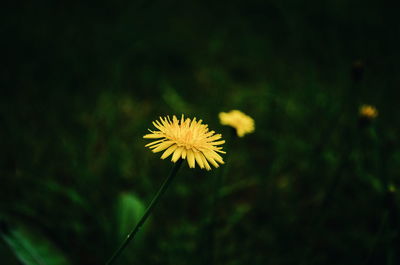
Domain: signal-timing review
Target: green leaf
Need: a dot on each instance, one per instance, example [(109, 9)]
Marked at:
[(130, 210), (30, 248)]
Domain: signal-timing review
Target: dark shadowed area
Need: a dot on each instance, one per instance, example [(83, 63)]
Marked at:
[(315, 183)]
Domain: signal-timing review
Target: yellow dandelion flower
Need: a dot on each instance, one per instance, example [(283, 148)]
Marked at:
[(186, 139), (368, 111), (243, 123)]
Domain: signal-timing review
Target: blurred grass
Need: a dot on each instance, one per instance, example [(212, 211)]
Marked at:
[(82, 83)]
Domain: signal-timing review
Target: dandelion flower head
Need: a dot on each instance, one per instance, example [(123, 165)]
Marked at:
[(243, 123), (187, 139), (368, 111)]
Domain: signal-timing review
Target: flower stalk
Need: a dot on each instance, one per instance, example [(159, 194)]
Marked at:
[(147, 213)]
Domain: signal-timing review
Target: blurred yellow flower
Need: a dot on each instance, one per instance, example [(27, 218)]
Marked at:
[(241, 122), (368, 111), (186, 139)]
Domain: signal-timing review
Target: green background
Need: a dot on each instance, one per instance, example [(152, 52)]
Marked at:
[(314, 184)]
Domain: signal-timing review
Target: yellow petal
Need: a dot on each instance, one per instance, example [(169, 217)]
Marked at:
[(190, 158), (168, 151), (206, 165), (154, 143), (177, 154), (198, 159), (218, 143), (214, 138), (153, 136), (163, 146), (218, 149), (212, 161), (210, 133), (217, 157), (184, 153)]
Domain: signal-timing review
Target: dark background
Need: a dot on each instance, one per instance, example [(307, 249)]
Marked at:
[(314, 184)]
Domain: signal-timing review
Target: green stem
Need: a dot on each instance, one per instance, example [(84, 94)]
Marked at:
[(153, 203)]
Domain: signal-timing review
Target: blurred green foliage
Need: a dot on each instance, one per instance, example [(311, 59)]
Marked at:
[(82, 82)]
